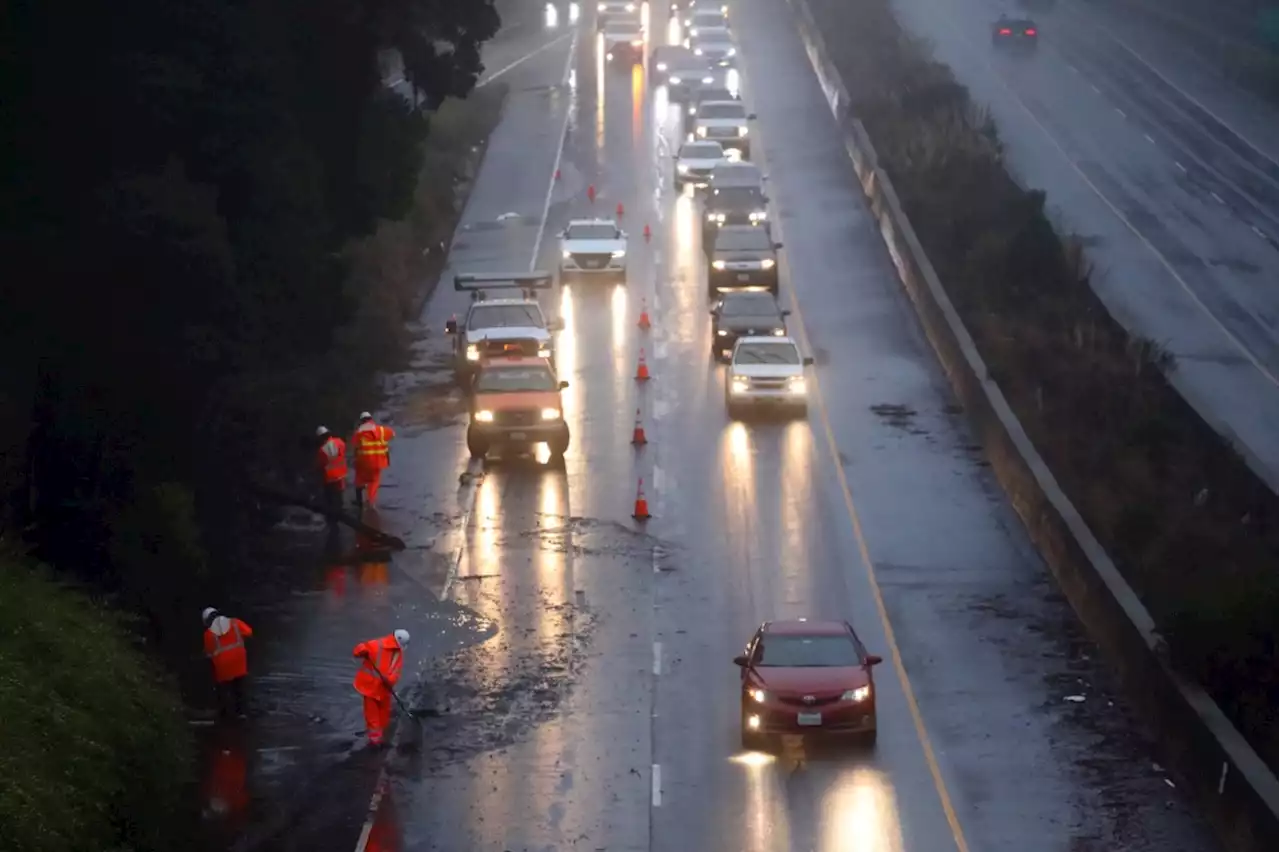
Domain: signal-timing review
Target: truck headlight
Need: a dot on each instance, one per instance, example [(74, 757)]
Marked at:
[(722, 333), (797, 386), (682, 169), (767, 263), (620, 253), (544, 351), (742, 131), (550, 414), (738, 384), (717, 264), (484, 416), (473, 352), (759, 696), (862, 693)]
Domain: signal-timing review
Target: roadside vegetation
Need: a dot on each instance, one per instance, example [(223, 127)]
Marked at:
[(216, 221), (1187, 522)]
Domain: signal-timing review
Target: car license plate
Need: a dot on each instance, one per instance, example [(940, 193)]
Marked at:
[(809, 720), (519, 436), (743, 276)]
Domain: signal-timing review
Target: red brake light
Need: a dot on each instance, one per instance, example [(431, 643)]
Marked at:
[(1031, 32), (1006, 32)]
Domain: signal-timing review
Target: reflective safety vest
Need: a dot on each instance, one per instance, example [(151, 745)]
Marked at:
[(378, 655), (224, 646), (332, 458), (373, 446)]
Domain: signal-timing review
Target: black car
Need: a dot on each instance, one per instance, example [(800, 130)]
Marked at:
[(680, 71), (733, 205), (744, 313), (742, 257), (705, 93), (1014, 34)]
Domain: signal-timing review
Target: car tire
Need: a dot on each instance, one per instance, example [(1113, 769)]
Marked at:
[(801, 411), (478, 447), (867, 740)]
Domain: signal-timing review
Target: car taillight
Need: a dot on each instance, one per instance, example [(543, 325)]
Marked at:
[(1006, 32), (1031, 32)]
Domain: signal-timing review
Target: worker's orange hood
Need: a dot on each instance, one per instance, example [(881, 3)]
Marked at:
[(518, 401)]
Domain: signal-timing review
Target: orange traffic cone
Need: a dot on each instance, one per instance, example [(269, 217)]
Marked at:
[(647, 233), (619, 209), (641, 512), (557, 174), (637, 434), (642, 369), (644, 315), (591, 193)]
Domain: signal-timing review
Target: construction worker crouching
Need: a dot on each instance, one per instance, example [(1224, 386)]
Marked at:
[(380, 663), (331, 459), (224, 646), (372, 446)]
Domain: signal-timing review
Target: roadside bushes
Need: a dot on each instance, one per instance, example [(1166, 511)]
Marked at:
[(94, 752), (1188, 524)]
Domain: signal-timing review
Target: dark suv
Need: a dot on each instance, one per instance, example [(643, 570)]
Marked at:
[(744, 314), (733, 205), (742, 257)]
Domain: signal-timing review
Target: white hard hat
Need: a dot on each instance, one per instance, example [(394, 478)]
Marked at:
[(402, 638), (208, 613), (364, 415), (322, 430)]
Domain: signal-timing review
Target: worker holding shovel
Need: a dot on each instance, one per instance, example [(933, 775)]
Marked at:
[(381, 662)]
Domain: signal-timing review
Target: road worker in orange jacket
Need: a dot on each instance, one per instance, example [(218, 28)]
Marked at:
[(371, 445), (380, 663), (224, 646), (331, 460)]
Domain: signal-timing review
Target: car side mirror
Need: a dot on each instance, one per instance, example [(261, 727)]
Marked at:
[(712, 312), (556, 324), (777, 246), (741, 661), (874, 659), (563, 385), (786, 312), (751, 117), (451, 327), (808, 362)]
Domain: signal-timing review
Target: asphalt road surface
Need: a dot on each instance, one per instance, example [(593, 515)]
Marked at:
[(602, 713), (1168, 173)]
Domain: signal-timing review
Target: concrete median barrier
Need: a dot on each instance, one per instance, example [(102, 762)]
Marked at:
[(1198, 743)]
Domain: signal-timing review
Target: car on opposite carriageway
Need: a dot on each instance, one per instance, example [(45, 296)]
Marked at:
[(807, 678), (516, 402), (742, 257), (1016, 35), (744, 313)]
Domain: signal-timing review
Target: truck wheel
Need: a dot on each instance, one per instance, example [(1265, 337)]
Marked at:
[(477, 446)]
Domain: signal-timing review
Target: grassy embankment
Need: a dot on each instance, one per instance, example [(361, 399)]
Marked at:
[(94, 750), (1192, 529)]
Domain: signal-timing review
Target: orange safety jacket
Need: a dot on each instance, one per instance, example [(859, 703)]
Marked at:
[(332, 459), (379, 655), (373, 446), (224, 646)]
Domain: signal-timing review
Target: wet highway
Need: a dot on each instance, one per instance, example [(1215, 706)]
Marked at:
[(1168, 174), (602, 712)]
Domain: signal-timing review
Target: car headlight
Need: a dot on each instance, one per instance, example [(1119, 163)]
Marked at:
[(797, 386), (682, 169), (702, 131), (473, 352), (779, 332), (738, 384), (697, 51), (620, 253), (567, 254), (717, 264), (544, 351), (742, 131), (662, 66), (631, 7), (767, 263), (550, 414), (693, 110), (731, 51), (708, 80), (600, 7), (862, 693), (759, 696), (722, 333), (637, 42), (693, 32), (484, 416), (719, 218), (675, 81), (758, 215)]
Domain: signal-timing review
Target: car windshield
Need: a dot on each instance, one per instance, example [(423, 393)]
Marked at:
[(743, 239), (622, 26), (708, 20), (702, 151), (748, 305), (714, 38), (737, 196), (515, 379), (714, 110), (506, 316), (715, 95), (738, 175), (601, 231), (767, 353), (806, 652), (1017, 25)]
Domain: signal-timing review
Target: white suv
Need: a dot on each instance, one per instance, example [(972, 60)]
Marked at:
[(766, 372), (593, 247)]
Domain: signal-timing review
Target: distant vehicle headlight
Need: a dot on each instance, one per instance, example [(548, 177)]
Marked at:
[(544, 351), (708, 80), (600, 7), (722, 333), (662, 66), (739, 385), (742, 131), (767, 263), (567, 254), (758, 216), (473, 352), (620, 253), (719, 264), (731, 51), (631, 7), (697, 51), (682, 168)]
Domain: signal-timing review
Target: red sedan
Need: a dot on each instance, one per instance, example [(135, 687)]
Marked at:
[(806, 677)]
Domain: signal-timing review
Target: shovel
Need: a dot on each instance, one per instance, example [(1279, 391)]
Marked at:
[(413, 736)]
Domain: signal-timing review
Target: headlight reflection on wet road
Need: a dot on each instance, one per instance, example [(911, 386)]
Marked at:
[(861, 813), (757, 765), (567, 359), (600, 92), (798, 456), (620, 340)]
